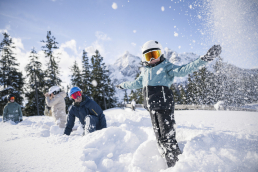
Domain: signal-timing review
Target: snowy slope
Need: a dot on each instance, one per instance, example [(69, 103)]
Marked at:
[(210, 141)]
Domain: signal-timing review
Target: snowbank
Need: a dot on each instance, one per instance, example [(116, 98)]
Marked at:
[(210, 141)]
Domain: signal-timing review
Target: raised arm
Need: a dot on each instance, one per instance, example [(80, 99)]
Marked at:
[(136, 84)]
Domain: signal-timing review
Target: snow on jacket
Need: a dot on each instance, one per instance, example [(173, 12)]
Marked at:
[(12, 111), (89, 113), (57, 105), (157, 80)]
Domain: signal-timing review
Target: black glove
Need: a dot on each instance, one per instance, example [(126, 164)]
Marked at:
[(20, 120), (213, 52), (119, 87)]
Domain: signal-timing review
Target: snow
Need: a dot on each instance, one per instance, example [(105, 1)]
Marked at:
[(210, 141)]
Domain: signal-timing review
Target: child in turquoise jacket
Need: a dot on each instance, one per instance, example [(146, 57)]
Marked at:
[(156, 79)]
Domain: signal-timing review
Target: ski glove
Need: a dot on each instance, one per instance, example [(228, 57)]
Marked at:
[(20, 120), (119, 87), (213, 52)]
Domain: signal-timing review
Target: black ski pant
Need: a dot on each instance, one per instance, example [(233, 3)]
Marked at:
[(163, 124)]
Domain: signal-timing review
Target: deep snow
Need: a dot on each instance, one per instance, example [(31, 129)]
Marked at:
[(210, 141)]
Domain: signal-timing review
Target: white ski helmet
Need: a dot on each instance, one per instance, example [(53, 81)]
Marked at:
[(150, 46), (54, 89)]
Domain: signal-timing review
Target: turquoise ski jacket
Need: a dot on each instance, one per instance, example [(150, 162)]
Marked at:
[(162, 74)]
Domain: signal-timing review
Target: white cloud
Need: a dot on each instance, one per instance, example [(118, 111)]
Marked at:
[(162, 8), (134, 44), (69, 44), (18, 43), (114, 6), (102, 36)]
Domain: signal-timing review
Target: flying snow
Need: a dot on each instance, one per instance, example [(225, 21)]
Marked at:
[(175, 34), (114, 6), (162, 8), (94, 83)]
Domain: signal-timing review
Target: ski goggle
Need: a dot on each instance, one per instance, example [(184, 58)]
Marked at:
[(76, 94), (12, 98), (153, 54)]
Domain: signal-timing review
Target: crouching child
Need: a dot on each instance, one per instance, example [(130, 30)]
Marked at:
[(88, 111)]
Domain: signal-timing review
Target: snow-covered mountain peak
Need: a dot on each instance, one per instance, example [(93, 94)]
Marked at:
[(179, 59), (126, 60)]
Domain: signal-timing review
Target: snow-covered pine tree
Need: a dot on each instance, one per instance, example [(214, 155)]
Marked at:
[(175, 94), (102, 90), (85, 74), (52, 71), (76, 79), (11, 80), (182, 96), (68, 100), (35, 86), (190, 99)]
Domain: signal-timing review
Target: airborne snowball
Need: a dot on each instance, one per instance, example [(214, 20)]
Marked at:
[(94, 83), (162, 8), (175, 34), (114, 6)]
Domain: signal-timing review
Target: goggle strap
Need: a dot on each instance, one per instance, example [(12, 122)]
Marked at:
[(152, 49)]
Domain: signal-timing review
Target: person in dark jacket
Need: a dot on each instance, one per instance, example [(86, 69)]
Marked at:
[(12, 111), (156, 79), (88, 111)]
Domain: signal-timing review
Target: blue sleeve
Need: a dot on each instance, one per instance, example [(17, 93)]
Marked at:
[(184, 70), (134, 84), (69, 123)]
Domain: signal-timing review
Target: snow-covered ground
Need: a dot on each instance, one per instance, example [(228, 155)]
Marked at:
[(210, 141)]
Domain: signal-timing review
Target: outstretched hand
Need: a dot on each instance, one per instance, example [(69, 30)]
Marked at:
[(119, 87), (213, 52)]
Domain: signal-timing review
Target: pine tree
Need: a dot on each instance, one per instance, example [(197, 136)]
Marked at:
[(190, 91), (35, 86), (175, 94), (102, 91), (52, 72), (182, 94), (85, 74), (68, 100), (11, 80), (76, 79)]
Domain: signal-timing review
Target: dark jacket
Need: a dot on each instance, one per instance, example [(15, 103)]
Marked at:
[(89, 113), (158, 98)]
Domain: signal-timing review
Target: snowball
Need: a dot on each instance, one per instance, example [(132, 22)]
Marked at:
[(94, 83), (175, 34), (114, 6), (162, 8), (219, 105)]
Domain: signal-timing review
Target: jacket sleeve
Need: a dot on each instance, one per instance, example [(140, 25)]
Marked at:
[(136, 84), (181, 71), (5, 111), (52, 102), (69, 123)]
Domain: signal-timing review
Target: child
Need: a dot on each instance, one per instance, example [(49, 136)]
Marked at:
[(88, 111), (156, 79), (12, 110), (55, 100)]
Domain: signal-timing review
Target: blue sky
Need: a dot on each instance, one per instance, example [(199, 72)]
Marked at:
[(116, 26)]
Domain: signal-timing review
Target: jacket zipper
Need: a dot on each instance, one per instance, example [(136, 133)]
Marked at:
[(163, 94)]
